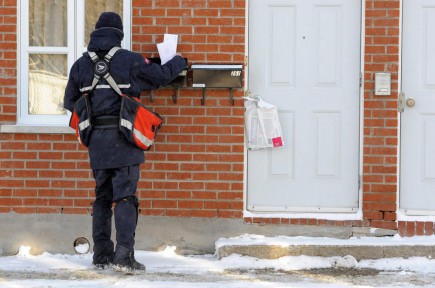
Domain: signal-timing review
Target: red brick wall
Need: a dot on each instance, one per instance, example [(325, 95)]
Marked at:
[(196, 167), (380, 114), (8, 61)]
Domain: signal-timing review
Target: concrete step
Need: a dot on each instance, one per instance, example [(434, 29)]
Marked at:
[(360, 248)]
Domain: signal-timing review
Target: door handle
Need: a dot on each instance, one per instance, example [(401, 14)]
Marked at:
[(410, 102)]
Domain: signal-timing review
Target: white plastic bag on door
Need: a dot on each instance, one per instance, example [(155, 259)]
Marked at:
[(263, 129)]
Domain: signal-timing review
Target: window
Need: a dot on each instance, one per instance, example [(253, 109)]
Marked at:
[(53, 34)]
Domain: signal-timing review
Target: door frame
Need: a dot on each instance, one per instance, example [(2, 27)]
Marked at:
[(326, 215)]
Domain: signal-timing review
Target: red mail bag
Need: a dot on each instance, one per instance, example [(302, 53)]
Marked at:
[(138, 124)]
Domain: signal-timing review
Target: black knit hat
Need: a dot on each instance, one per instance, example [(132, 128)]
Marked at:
[(109, 19)]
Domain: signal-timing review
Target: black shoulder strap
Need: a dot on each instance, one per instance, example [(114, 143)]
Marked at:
[(101, 69)]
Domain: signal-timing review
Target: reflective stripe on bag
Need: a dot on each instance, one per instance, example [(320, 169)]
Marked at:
[(139, 136), (142, 138), (127, 124), (85, 124)]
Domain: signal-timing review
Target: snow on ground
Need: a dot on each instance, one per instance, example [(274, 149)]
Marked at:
[(396, 240), (166, 269)]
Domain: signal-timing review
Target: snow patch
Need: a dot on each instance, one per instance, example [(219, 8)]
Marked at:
[(24, 251), (82, 248), (347, 261), (169, 251), (285, 241)]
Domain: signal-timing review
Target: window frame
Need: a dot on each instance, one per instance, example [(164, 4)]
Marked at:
[(73, 50)]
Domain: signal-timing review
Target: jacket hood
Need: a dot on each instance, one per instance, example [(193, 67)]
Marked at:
[(105, 38)]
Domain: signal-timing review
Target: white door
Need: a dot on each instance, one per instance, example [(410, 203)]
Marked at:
[(304, 57), (417, 157)]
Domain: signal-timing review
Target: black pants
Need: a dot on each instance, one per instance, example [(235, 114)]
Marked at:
[(117, 185)]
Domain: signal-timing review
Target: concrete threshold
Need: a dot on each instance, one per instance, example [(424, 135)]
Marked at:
[(360, 248)]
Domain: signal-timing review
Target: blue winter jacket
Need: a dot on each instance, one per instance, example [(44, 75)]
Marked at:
[(134, 74)]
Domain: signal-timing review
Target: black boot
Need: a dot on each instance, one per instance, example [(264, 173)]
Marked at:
[(101, 232), (103, 263), (126, 214), (124, 261)]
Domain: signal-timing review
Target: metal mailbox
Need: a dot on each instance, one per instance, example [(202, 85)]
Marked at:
[(216, 76)]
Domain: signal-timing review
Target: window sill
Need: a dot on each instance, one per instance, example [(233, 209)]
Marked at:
[(35, 129)]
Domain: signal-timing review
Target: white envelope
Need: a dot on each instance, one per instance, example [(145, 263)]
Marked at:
[(168, 48)]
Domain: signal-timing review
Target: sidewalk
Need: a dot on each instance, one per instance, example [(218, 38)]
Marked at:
[(310, 266), (360, 248)]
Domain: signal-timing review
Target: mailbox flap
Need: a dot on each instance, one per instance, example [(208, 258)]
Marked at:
[(217, 76)]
